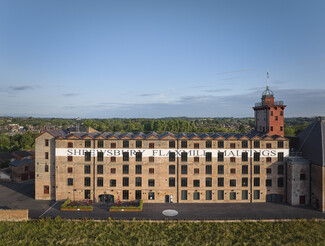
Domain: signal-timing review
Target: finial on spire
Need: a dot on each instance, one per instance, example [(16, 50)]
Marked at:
[(267, 92)]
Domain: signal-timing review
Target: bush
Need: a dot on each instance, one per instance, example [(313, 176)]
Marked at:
[(66, 205), (137, 208)]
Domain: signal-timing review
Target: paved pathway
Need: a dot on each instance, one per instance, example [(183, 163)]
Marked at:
[(21, 196)]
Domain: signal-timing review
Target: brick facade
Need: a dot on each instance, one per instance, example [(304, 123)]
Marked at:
[(197, 178)]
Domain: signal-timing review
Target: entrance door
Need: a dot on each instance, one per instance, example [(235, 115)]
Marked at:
[(167, 199), (276, 198), (302, 200), (24, 176), (106, 198)]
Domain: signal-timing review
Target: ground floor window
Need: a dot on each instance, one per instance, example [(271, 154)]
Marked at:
[(138, 195), (151, 195), (244, 194), (208, 195), (220, 194), (87, 194), (256, 194), (112, 183), (268, 182), (184, 195), (196, 195), (125, 195), (232, 195), (46, 189)]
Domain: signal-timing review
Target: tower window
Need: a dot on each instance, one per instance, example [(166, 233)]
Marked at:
[(271, 112), (271, 128), (276, 117)]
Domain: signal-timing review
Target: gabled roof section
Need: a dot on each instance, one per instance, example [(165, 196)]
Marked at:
[(72, 136), (166, 135), (181, 136), (126, 136), (193, 136), (277, 137), (138, 135), (244, 137), (205, 136), (87, 136), (114, 136), (151, 135), (229, 135)]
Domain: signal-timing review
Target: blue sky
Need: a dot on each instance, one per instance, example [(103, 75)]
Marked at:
[(160, 58)]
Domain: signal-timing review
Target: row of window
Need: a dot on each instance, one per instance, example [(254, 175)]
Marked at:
[(172, 144), (184, 182), (184, 195), (172, 157), (172, 169)]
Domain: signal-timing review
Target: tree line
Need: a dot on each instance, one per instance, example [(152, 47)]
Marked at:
[(25, 141)]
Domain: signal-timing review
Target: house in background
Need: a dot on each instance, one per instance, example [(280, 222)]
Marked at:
[(21, 165), (22, 170)]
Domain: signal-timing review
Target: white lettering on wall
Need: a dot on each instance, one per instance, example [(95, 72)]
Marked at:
[(165, 152)]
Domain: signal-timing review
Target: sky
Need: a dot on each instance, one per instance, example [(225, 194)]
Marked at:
[(162, 58)]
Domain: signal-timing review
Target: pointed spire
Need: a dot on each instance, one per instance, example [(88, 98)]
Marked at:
[(267, 92)]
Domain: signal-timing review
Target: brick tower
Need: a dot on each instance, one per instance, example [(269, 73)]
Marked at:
[(269, 114)]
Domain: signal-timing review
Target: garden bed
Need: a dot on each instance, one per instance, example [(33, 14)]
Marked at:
[(69, 205), (133, 206)]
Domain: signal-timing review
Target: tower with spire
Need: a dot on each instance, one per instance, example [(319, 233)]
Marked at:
[(269, 114)]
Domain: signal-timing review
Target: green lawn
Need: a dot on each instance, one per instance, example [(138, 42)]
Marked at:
[(59, 231)]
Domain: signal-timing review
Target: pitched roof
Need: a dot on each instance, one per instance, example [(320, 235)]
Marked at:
[(17, 163), (191, 135), (311, 142)]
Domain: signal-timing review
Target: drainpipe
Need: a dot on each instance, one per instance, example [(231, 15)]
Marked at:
[(94, 168), (251, 171), (310, 194), (177, 172)]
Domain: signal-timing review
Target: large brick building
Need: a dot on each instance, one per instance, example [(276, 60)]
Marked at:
[(213, 167)]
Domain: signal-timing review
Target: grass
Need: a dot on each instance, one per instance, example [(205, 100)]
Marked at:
[(59, 231)]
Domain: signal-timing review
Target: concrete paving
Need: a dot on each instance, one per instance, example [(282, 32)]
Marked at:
[(21, 196)]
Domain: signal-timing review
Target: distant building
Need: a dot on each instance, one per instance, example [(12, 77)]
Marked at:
[(307, 163), (21, 165), (22, 170)]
